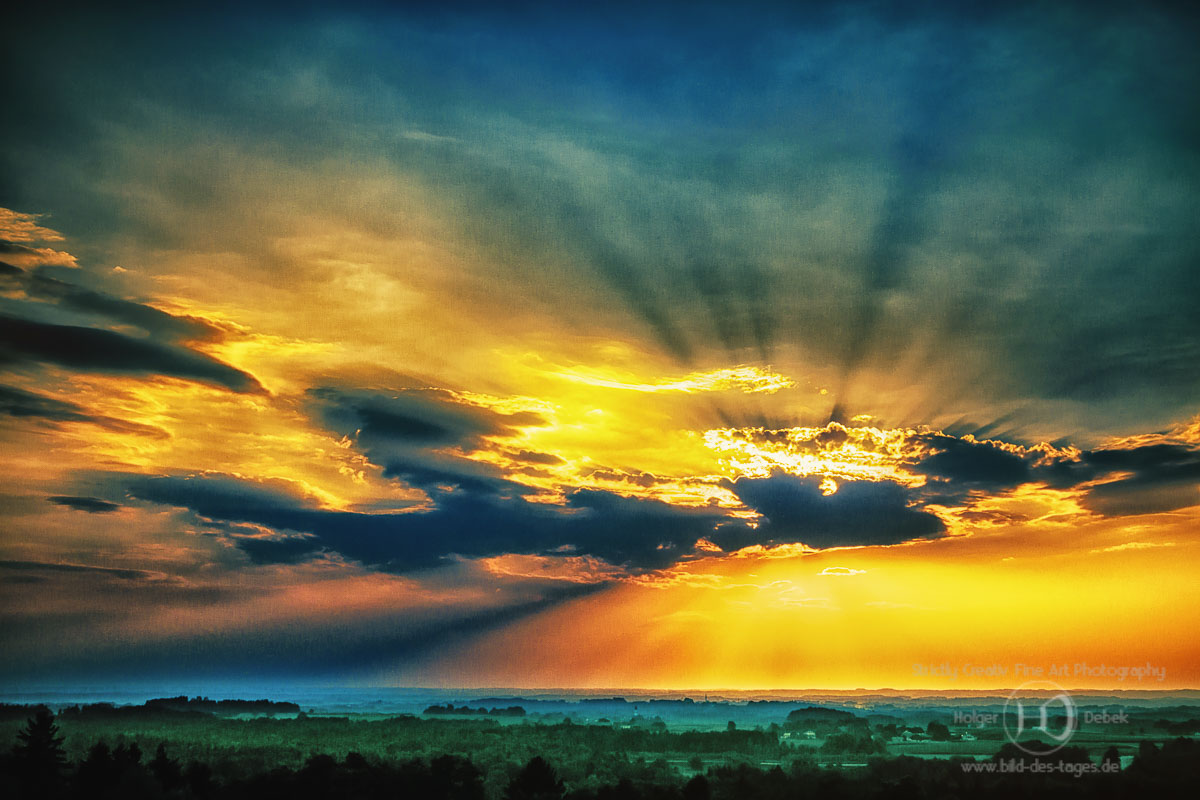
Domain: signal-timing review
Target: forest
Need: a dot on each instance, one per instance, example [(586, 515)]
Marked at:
[(154, 751)]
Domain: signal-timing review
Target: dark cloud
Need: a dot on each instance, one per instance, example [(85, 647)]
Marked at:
[(531, 457), (1116, 481), (635, 533), (1122, 481), (436, 475), (97, 350), (417, 433), (1154, 459), (153, 321), (426, 417), (41, 567), (21, 404), (975, 464), (1156, 478), (92, 505), (287, 550), (1130, 497), (643, 479), (15, 249), (859, 513)]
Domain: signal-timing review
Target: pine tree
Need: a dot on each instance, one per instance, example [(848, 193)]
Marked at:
[(38, 754), (168, 773)]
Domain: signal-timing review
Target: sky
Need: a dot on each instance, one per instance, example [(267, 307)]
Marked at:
[(754, 347)]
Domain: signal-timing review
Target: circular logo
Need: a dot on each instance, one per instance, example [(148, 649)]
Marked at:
[(1044, 713)]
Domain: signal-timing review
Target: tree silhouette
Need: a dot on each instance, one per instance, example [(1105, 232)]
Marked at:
[(536, 781), (168, 773), (38, 755), (98, 773)]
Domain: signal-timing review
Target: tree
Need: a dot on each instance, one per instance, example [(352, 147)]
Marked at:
[(938, 731), (98, 773), (39, 752), (536, 781), (168, 773)]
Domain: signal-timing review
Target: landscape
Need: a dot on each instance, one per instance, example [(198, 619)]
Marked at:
[(369, 743), (651, 745), (569, 400)]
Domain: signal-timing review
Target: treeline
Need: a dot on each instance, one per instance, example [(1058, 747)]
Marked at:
[(237, 747), (1180, 728), (165, 708), (511, 711), (36, 767), (184, 704)]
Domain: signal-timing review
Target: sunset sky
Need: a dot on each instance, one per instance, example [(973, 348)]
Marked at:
[(751, 347)]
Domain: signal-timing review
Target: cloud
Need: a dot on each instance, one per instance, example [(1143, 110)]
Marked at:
[(976, 464), (1145, 495), (531, 457), (1117, 548), (419, 434), (859, 513), (842, 571), (938, 468), (97, 350), (285, 550), (38, 566), (26, 256), (633, 533), (643, 479), (1123, 481), (92, 505), (32, 329), (934, 194), (569, 568), (16, 402), (19, 232), (153, 321), (426, 417), (22, 404), (18, 227)]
